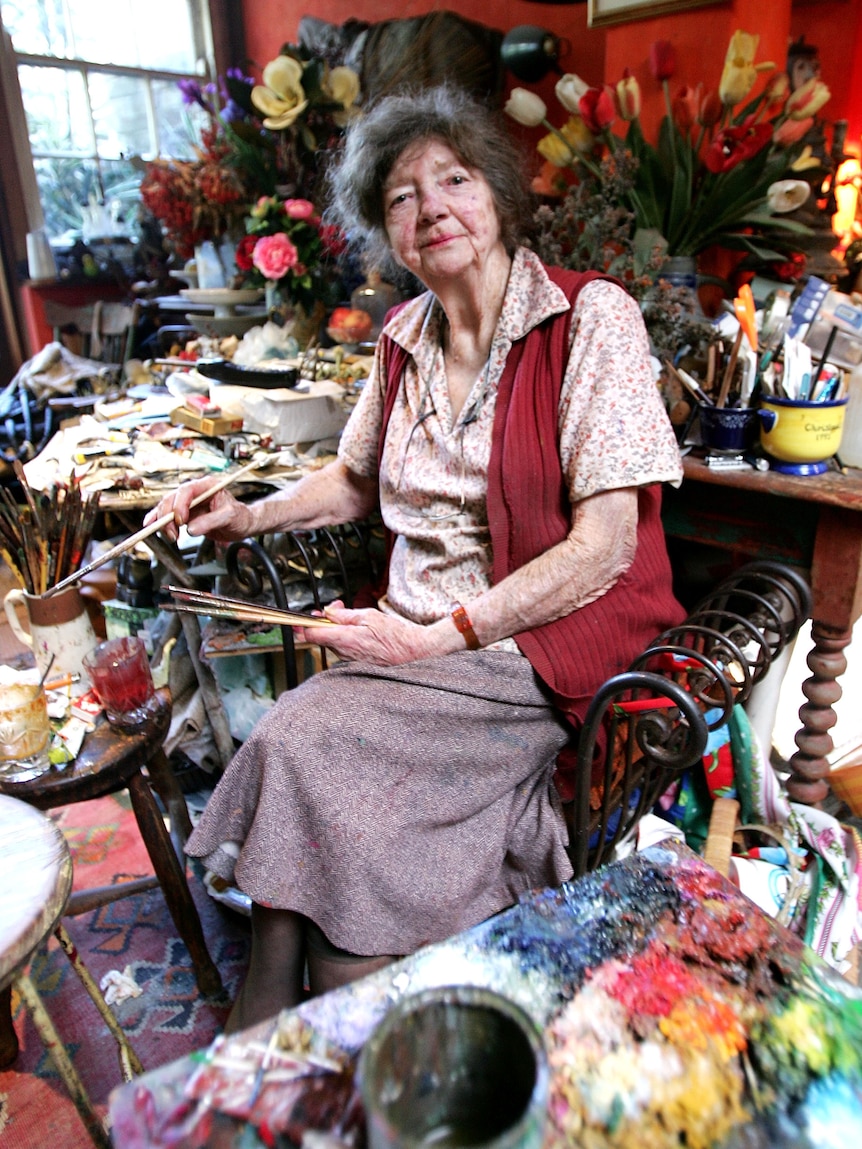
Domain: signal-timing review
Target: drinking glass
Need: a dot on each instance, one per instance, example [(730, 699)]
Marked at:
[(24, 732), (120, 673)]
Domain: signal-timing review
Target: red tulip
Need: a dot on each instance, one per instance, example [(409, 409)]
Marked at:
[(597, 108), (662, 59), (710, 110), (734, 145), (686, 105), (791, 132)]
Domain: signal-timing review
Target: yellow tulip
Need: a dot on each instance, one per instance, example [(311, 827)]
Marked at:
[(575, 134), (807, 100), (629, 98), (281, 97), (805, 161), (740, 70)]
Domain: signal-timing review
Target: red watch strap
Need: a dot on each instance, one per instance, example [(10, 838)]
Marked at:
[(465, 627)]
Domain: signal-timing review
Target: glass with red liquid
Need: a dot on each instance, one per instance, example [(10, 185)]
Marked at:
[(120, 673)]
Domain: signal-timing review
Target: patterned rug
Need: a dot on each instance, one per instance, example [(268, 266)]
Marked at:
[(168, 1020)]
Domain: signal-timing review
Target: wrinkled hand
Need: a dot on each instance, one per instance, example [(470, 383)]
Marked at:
[(372, 636), (221, 518)]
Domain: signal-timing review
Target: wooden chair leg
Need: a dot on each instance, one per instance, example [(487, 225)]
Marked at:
[(172, 878), (165, 784), (8, 1036)]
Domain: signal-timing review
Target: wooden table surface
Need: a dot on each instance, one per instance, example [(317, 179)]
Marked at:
[(813, 522)]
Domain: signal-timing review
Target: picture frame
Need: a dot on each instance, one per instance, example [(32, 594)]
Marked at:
[(603, 12)]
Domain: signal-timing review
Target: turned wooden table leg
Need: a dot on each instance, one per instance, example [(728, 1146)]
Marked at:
[(809, 766)]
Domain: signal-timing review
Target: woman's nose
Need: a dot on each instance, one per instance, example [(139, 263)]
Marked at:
[(432, 204)]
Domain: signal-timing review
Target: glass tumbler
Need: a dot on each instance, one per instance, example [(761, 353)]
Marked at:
[(24, 732), (120, 673)]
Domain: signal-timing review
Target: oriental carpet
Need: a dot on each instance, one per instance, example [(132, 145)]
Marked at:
[(169, 1019)]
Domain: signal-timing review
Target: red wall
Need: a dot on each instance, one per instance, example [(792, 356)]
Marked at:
[(700, 37)]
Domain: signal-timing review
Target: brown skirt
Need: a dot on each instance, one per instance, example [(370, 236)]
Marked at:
[(395, 806)]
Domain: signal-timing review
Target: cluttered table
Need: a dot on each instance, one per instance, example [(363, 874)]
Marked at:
[(810, 521), (673, 1012)]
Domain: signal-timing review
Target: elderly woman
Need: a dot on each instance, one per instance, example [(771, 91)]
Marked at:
[(514, 441)]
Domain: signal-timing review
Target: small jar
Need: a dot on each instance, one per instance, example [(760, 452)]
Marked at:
[(375, 297)]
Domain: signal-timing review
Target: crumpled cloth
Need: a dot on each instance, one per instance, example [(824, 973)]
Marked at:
[(118, 986), (55, 370)]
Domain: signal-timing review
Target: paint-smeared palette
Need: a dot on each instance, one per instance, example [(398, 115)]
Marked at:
[(674, 1011)]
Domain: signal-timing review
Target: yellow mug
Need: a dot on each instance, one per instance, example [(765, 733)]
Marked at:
[(800, 433)]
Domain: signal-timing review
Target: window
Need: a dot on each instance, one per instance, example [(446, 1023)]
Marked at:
[(98, 82)]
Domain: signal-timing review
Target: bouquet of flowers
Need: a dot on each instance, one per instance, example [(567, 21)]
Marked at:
[(205, 197), (724, 169), (255, 140), (290, 250)]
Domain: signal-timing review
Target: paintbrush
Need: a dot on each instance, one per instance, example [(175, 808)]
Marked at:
[(156, 525), (727, 378)]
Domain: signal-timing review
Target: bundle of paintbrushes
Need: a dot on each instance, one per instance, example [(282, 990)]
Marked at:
[(44, 540), (235, 609)]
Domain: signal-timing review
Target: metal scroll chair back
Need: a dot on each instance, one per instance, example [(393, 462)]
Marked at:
[(305, 570), (646, 726)]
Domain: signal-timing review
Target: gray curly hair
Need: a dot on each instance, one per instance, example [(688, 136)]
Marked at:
[(375, 140)]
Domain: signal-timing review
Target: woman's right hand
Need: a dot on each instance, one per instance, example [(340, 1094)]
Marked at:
[(221, 518)]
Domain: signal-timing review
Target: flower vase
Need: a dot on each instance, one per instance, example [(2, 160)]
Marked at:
[(304, 326), (680, 271), (215, 263)]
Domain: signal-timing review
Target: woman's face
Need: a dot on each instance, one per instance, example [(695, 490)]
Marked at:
[(440, 215)]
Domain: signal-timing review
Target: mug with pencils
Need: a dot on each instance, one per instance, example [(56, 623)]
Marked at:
[(60, 632), (799, 435)]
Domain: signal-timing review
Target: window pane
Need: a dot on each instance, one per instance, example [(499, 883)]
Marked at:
[(58, 117), (178, 124), (121, 115), (67, 185), (161, 34), (36, 26)]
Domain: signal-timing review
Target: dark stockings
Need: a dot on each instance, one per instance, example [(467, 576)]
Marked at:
[(281, 941)]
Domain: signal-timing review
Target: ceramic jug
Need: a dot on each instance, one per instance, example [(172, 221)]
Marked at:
[(59, 626)]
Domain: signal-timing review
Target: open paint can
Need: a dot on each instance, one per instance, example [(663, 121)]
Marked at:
[(457, 1065)]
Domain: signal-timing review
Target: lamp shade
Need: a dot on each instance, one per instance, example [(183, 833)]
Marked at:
[(530, 52)]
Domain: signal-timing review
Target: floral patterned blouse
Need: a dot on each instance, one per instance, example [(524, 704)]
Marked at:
[(613, 428)]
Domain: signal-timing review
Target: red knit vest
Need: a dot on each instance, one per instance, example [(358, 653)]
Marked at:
[(529, 512)]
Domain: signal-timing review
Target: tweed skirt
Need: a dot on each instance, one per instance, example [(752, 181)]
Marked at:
[(395, 806)]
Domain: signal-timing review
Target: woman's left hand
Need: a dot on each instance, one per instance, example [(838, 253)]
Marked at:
[(372, 636)]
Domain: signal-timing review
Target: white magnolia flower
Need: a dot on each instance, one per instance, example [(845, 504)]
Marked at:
[(526, 107), (787, 195)]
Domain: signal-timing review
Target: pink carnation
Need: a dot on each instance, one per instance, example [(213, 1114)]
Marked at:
[(274, 255), (298, 208)]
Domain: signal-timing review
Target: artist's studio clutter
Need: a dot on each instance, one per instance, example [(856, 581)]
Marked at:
[(774, 383)]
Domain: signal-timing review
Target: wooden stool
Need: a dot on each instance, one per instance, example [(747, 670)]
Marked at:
[(33, 848), (108, 762)]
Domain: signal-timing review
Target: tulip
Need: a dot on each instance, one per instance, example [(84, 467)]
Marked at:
[(558, 148), (791, 132), (629, 97), (805, 160), (597, 108), (776, 89), (548, 182), (281, 97), (807, 100), (569, 89), (735, 145), (740, 71), (710, 109), (686, 106), (787, 195), (662, 59), (526, 107)]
